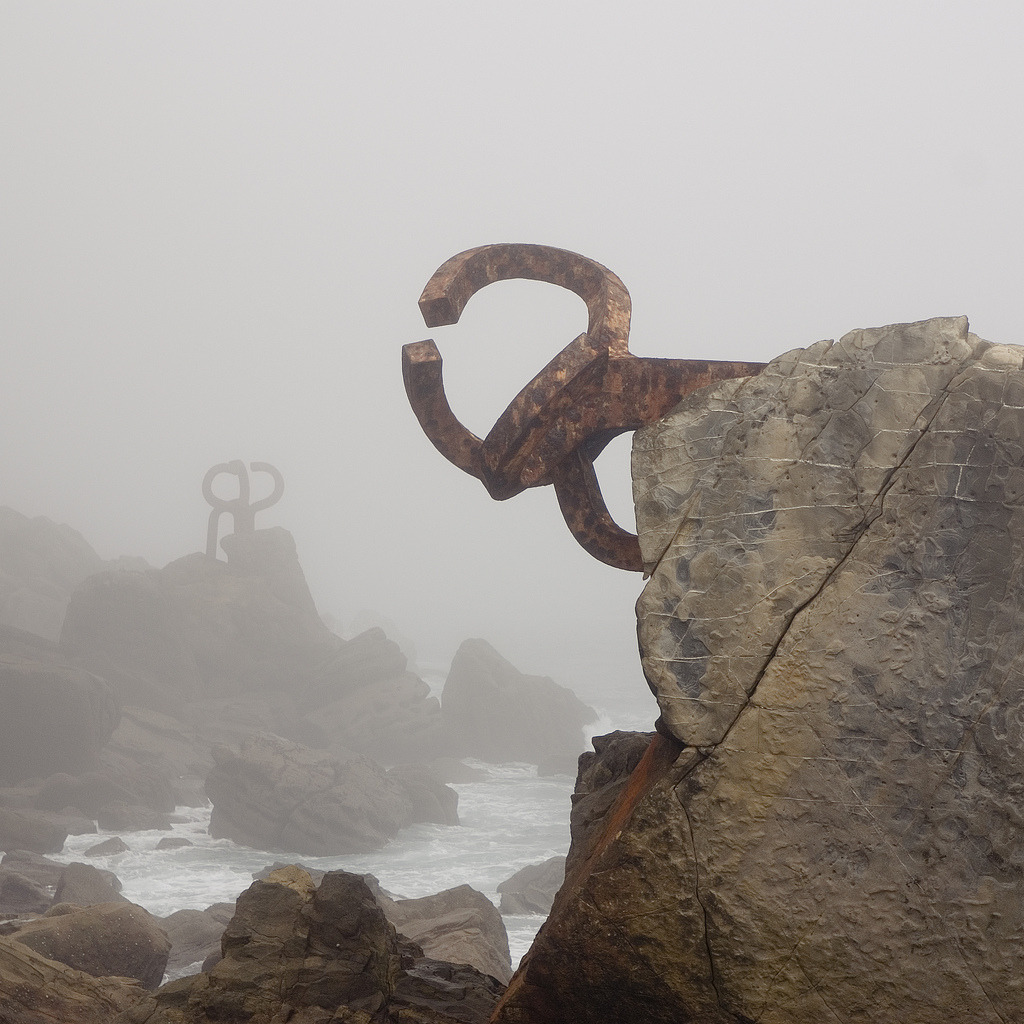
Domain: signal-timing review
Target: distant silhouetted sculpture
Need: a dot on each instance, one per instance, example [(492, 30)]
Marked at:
[(243, 512)]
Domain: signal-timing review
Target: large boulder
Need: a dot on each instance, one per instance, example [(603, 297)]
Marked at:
[(830, 825), (34, 831), (53, 716), (195, 935), (494, 712), (36, 990), (118, 939), (460, 926), (84, 885), (273, 794)]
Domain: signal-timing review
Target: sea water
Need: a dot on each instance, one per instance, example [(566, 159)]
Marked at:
[(508, 819)]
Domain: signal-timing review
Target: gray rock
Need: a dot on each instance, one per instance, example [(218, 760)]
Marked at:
[(108, 847), (459, 925), (123, 817), (53, 715), (432, 801), (30, 830), (532, 889), (195, 935), (20, 895), (174, 843), (84, 885), (494, 712), (276, 795)]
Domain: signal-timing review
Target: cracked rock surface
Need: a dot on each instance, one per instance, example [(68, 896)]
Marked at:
[(832, 627)]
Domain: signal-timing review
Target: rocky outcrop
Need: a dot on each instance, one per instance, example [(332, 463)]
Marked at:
[(84, 885), (29, 830), (276, 795), (532, 889), (35, 990), (314, 955), (118, 939), (20, 895), (494, 712), (53, 716), (195, 935), (829, 827), (460, 926)]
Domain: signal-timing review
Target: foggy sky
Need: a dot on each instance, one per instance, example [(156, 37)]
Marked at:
[(216, 219)]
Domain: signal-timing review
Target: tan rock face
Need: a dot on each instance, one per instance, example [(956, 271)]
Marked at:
[(833, 619)]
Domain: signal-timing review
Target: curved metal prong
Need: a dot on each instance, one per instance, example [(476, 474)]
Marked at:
[(421, 371), (455, 282)]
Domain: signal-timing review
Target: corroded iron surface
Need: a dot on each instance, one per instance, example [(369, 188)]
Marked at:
[(555, 428), (241, 509)]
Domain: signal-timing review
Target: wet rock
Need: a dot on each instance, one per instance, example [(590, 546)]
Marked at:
[(30, 830), (118, 939), (124, 817), (108, 848), (173, 843), (494, 712), (432, 801), (532, 889), (36, 990), (276, 795), (436, 992)]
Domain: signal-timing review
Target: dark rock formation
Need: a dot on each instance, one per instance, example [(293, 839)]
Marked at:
[(318, 955), (494, 712), (125, 817), (35, 990), (54, 716), (108, 847), (460, 926), (106, 939), (20, 895), (280, 796), (432, 801), (532, 889), (173, 843)]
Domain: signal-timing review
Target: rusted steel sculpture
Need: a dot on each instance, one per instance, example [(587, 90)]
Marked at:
[(555, 428), (242, 511)]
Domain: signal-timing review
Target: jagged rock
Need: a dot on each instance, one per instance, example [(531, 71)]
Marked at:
[(603, 772), (84, 885), (831, 626), (35, 990), (118, 939), (457, 925), (45, 872), (54, 716), (532, 889), (108, 847), (494, 712), (30, 830), (319, 955), (276, 795), (20, 895), (195, 934)]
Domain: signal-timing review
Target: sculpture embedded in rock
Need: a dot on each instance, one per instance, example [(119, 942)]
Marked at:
[(242, 511), (829, 825)]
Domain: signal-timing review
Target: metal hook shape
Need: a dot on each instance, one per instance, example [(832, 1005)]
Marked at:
[(593, 390), (243, 512)]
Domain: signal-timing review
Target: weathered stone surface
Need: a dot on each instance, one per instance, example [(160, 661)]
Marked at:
[(832, 625), (54, 716), (432, 801), (125, 817), (532, 889), (276, 795), (459, 925), (35, 990), (494, 712), (436, 992), (20, 895), (109, 847), (118, 939)]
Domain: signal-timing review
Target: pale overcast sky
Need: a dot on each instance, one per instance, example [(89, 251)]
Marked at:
[(217, 219)]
